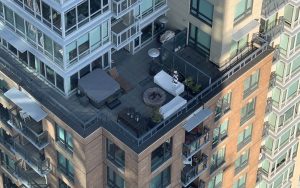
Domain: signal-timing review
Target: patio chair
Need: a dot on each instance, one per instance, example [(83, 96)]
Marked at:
[(124, 84)]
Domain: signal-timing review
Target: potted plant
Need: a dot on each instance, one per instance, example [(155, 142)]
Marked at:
[(156, 116), (188, 82), (195, 89)]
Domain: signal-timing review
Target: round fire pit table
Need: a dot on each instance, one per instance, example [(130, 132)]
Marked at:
[(154, 96)]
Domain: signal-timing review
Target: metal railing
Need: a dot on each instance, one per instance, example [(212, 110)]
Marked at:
[(41, 166), (127, 34), (196, 145), (40, 140), (26, 177), (15, 71), (272, 82), (189, 175), (270, 7), (119, 8), (197, 100), (276, 28)]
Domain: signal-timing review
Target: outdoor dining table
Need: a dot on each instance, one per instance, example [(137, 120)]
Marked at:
[(134, 120)]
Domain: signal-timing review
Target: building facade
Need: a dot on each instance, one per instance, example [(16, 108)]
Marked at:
[(238, 61)]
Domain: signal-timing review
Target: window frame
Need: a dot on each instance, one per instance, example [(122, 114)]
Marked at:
[(196, 12), (65, 141)]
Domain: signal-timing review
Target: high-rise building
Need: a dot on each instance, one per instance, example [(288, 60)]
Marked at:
[(149, 93)]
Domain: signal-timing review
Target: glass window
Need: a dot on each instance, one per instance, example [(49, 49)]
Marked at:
[(46, 10), (65, 166), (20, 24), (9, 15), (83, 12), (161, 154), (203, 10), (64, 138), (162, 180), (238, 47), (48, 46), (242, 9), (70, 22), (241, 182), (115, 154), (284, 42), (83, 44), (251, 83), (248, 110), (199, 39), (244, 136), (220, 133), (74, 81), (295, 65), (50, 74), (60, 82), (95, 6), (71, 51), (242, 161), (114, 180), (216, 181), (146, 6), (217, 159), (223, 106), (95, 37), (288, 13), (292, 89)]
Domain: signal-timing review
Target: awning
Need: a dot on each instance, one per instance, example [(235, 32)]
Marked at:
[(196, 119), (26, 103), (13, 39), (239, 34)]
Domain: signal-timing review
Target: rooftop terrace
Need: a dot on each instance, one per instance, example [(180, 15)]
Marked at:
[(85, 119)]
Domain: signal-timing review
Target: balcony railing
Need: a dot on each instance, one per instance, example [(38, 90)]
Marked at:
[(123, 33), (40, 165), (275, 29), (269, 106), (38, 138), (193, 146), (272, 82), (191, 172), (121, 7), (26, 177), (270, 7)]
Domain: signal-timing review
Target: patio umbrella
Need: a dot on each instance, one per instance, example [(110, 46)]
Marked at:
[(153, 52), (163, 20)]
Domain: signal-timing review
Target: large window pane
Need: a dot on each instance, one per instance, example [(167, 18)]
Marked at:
[(161, 154)]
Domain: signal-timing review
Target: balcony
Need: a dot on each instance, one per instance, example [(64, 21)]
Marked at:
[(193, 171), (269, 7), (272, 82), (274, 30), (35, 159), (269, 106), (27, 152), (123, 32), (121, 7), (4, 117), (194, 142), (30, 129), (26, 177)]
